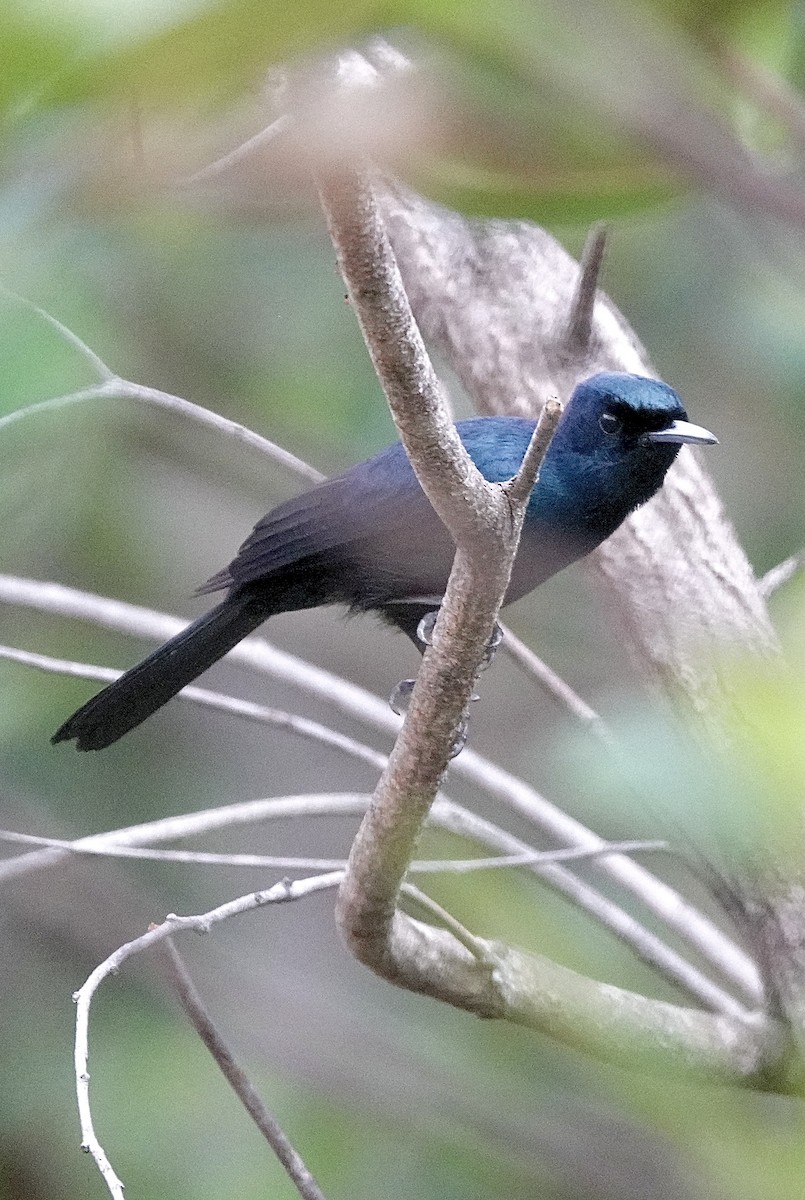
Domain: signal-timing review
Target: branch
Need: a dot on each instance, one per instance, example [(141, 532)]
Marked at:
[(96, 363), (168, 829), (578, 335), (484, 521), (280, 893), (261, 714), (777, 576), (527, 989), (124, 389), (661, 899), (425, 866), (445, 814), (495, 298), (553, 684), (235, 1076), (395, 946)]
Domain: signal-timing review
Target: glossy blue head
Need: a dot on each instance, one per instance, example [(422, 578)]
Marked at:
[(617, 438)]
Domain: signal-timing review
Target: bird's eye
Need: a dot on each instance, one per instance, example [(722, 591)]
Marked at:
[(609, 423)]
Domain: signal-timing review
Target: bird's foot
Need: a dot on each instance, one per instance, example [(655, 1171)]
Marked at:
[(400, 698), (460, 740), (425, 634), (424, 629), (491, 647)]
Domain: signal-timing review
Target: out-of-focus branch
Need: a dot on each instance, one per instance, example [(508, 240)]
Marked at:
[(579, 330), (425, 866), (527, 989), (261, 714), (444, 814), (661, 899), (495, 298), (125, 389), (552, 683), (779, 575), (236, 1077)]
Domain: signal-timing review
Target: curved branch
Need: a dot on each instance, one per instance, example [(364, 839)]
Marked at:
[(661, 899)]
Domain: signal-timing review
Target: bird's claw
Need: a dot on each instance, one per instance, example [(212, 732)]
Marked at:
[(424, 629), (400, 697), (426, 626), (491, 647), (460, 740)]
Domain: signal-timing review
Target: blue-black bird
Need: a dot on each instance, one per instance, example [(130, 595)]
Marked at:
[(370, 540)]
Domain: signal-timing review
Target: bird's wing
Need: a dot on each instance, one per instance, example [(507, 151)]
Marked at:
[(368, 516)]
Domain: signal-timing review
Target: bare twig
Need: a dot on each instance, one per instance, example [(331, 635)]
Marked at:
[(236, 1077), (259, 141), (427, 866), (260, 713), (354, 701), (445, 814), (578, 333), (184, 825), (520, 487), (462, 935), (777, 576), (553, 684), (99, 367), (526, 988), (280, 893), (124, 389)]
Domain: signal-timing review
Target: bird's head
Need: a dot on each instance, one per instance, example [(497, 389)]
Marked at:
[(617, 438), (617, 414)]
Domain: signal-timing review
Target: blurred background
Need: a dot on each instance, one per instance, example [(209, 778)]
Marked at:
[(681, 125)]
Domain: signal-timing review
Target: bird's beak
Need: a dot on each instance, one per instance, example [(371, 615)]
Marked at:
[(683, 431)]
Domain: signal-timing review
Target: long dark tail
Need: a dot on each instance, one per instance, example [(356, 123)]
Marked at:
[(128, 701)]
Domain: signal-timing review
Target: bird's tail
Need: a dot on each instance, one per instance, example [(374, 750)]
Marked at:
[(133, 697)]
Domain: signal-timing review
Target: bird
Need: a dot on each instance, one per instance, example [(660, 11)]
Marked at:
[(370, 540)]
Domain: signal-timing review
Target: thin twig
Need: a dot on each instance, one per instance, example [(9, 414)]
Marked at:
[(553, 684), (445, 814), (425, 866), (280, 893), (661, 899), (260, 713), (533, 991), (433, 909), (236, 1077), (521, 486), (582, 306), (777, 576), (225, 163), (124, 389), (183, 825), (105, 374)]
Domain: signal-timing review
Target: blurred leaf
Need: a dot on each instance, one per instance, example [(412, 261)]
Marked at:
[(550, 196), (213, 55), (31, 53)]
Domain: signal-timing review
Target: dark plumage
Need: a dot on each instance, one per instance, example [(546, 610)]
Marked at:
[(370, 540)]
